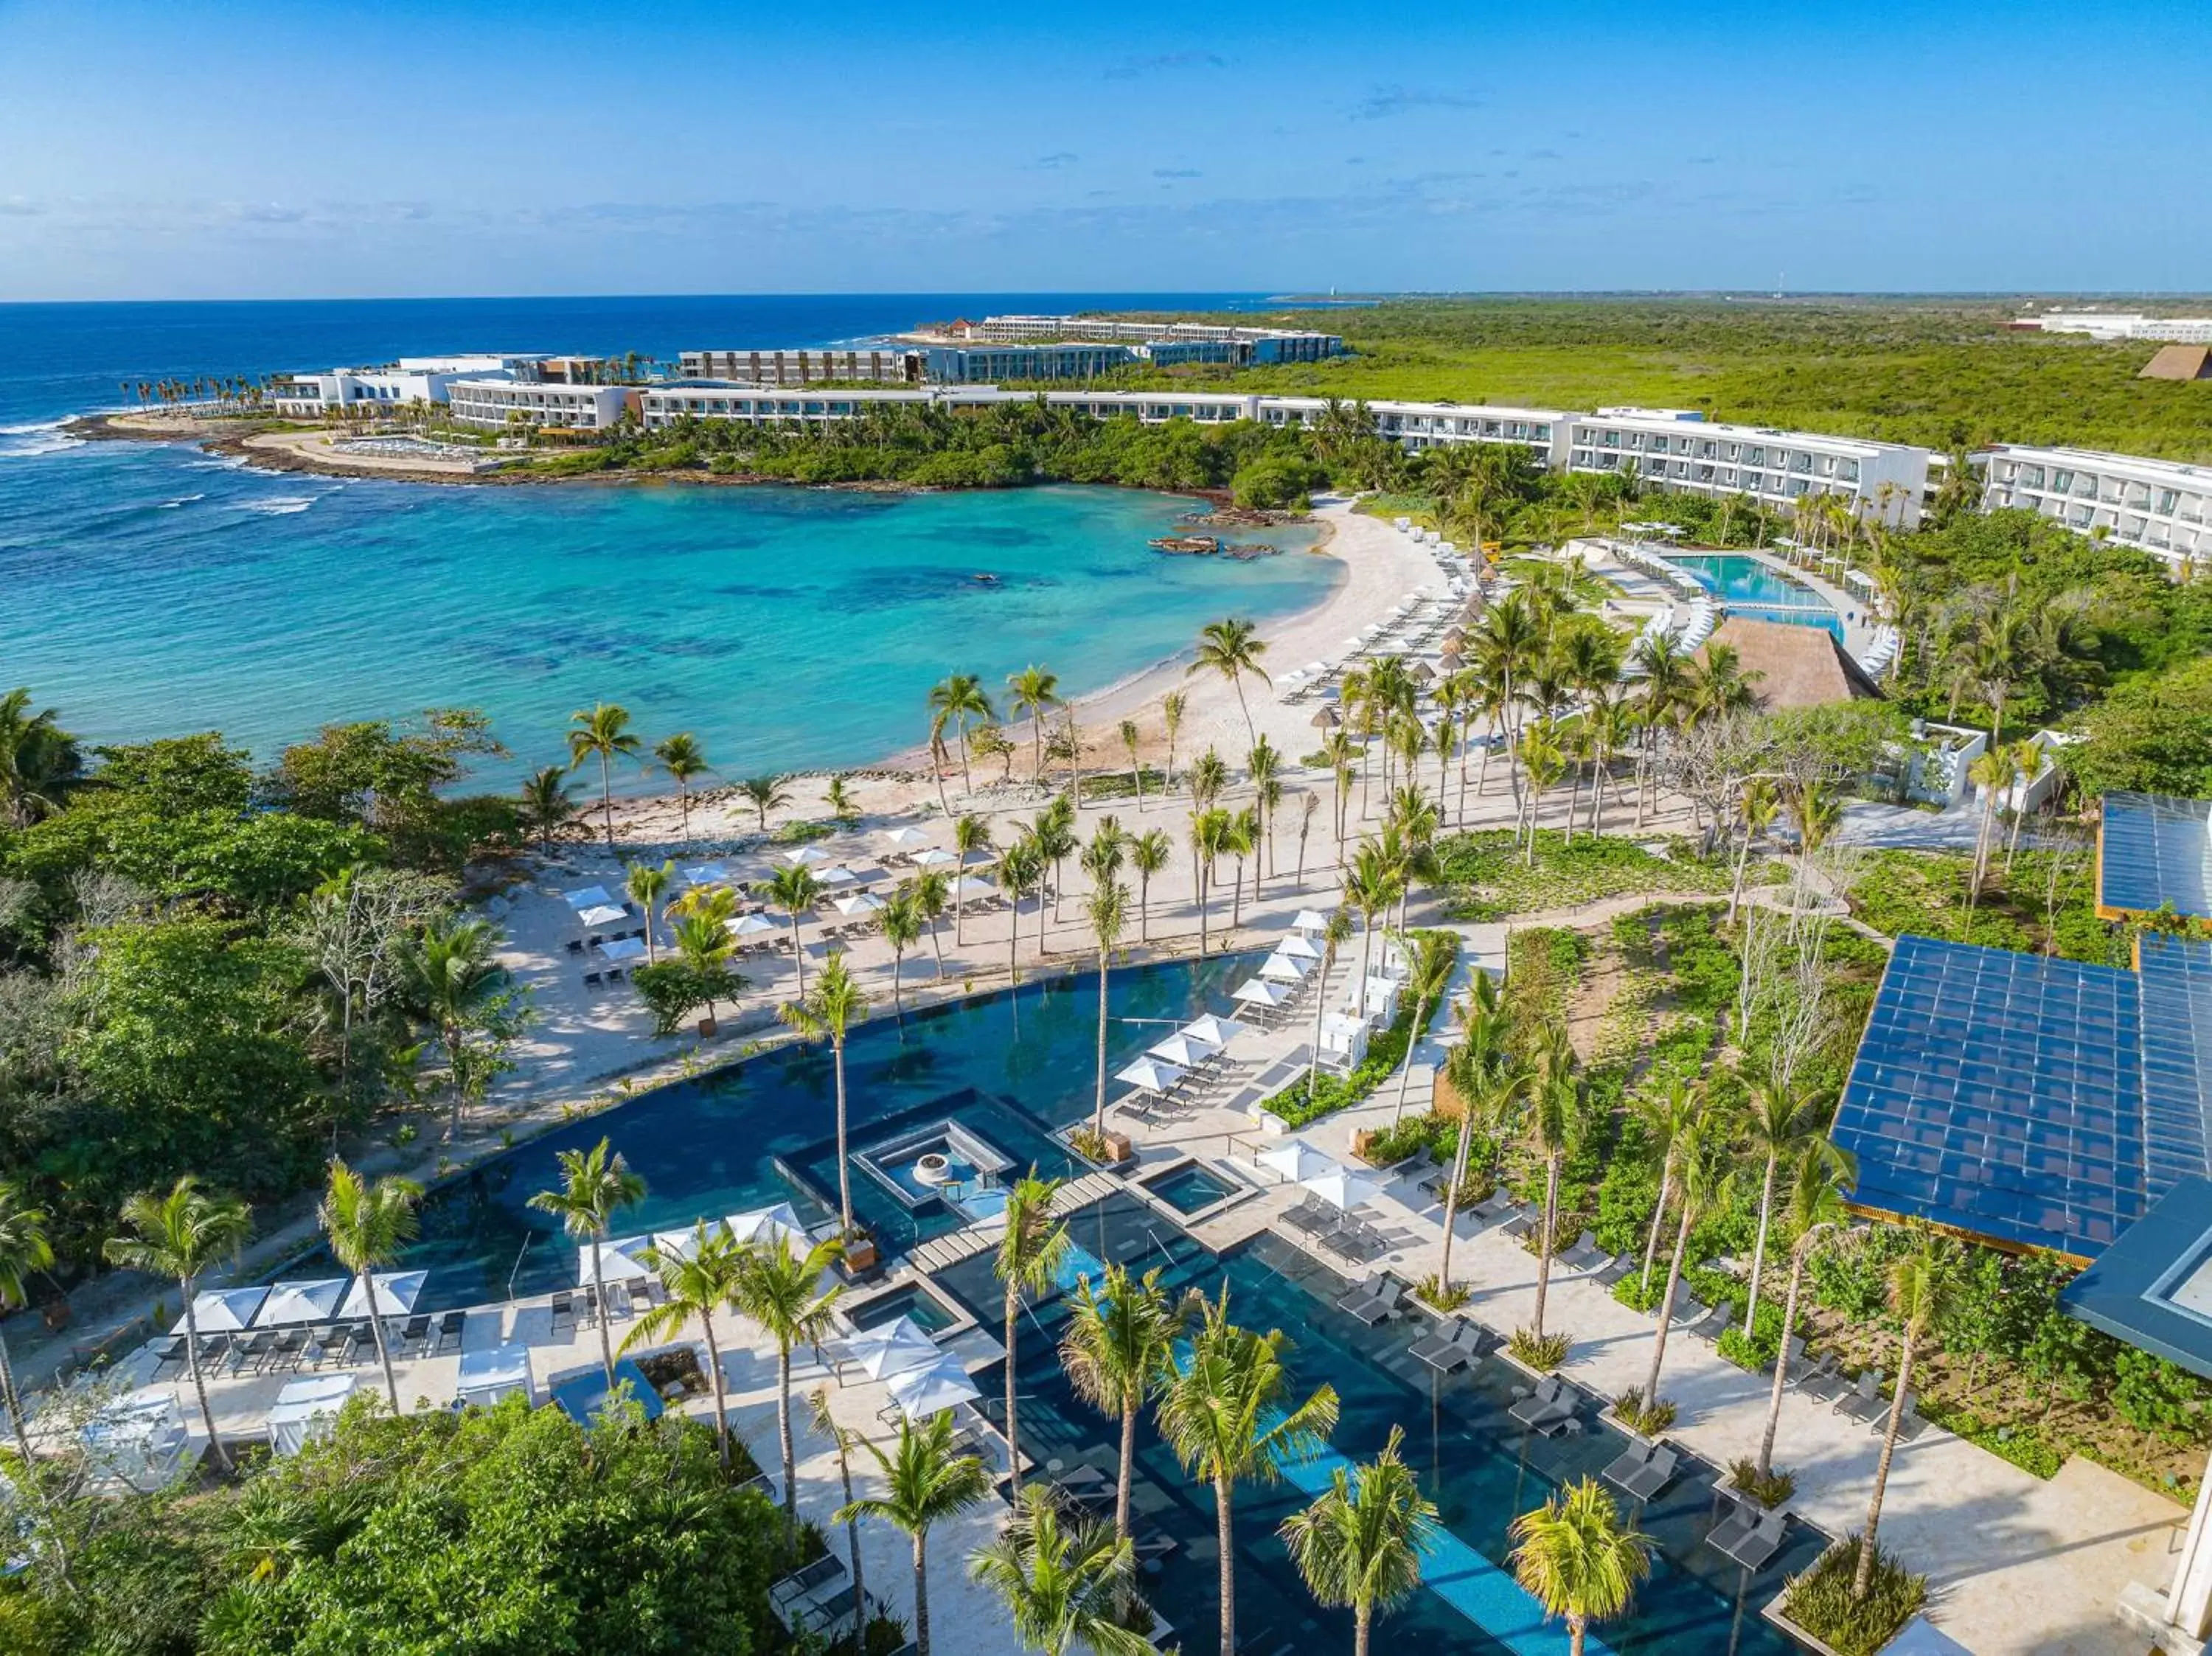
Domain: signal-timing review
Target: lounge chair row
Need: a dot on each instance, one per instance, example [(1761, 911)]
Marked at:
[(281, 1350), (1331, 1228)]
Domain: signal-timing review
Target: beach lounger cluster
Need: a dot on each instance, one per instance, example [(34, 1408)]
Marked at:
[(1644, 1470), (1457, 1344), (1750, 1535), (1548, 1409), (1378, 1297)]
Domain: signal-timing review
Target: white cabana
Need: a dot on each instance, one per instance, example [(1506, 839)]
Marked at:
[(750, 926), (1184, 1049), (1219, 1031), (806, 856), (1340, 1186), (861, 903), (1150, 1075), (1309, 922), (305, 1410), (623, 949), (303, 1303), (619, 1261), (906, 835), (922, 1392), (770, 1225), (1295, 1159), (900, 1347), (224, 1310), (1299, 947), (394, 1291), (590, 896), (935, 857), (705, 873), (1285, 969), (600, 915), (139, 1438), (1344, 1039), (1255, 991), (1380, 1001), (495, 1372)]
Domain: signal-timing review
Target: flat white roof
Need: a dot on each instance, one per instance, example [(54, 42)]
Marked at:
[(2199, 476)]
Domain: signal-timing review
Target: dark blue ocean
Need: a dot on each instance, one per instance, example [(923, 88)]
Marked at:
[(149, 589)]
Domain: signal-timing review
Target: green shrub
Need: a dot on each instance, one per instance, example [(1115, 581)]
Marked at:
[(1434, 1293), (1541, 1353), (1769, 1490), (1650, 1419), (1821, 1600)]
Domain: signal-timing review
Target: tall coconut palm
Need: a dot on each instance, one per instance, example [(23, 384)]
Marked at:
[(1665, 1116), (1062, 1580), (1372, 884), (1779, 1120), (24, 1248), (1021, 874), (1107, 905), (685, 761), (1705, 1169), (1757, 808), (1554, 1129), (595, 1186), (1814, 1209), (1226, 1414), (902, 926), (182, 1235), (1209, 775), (1428, 976), (793, 890), (834, 1007), (547, 804), (369, 1227), (927, 1482), (453, 970), (1129, 739), (1992, 775), (701, 1277), (1033, 692), (1923, 1288), (779, 1289), (845, 1440), (646, 885), (1488, 1084), (959, 704), (1210, 834), (1360, 1542), (765, 794), (971, 836), (932, 890), (1232, 648), (1117, 1352), (40, 762), (1578, 1559), (1171, 709), (1032, 1250), (603, 733), (1335, 932), (1149, 853)]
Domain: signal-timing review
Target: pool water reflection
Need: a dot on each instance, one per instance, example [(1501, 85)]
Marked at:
[(1758, 592)]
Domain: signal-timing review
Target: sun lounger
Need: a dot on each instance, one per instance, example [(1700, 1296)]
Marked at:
[(1547, 1409), (1646, 1481), (1453, 1347), (1520, 1224), (1612, 1271), (170, 1354), (1687, 1310), (1312, 1216), (1814, 1373), (1629, 1462), (1758, 1541), (1855, 1396), (449, 1330), (1731, 1532), (1584, 1254), (1371, 1308), (1370, 1287), (826, 1572), (1715, 1322)]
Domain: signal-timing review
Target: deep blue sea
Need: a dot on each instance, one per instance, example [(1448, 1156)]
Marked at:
[(149, 589)]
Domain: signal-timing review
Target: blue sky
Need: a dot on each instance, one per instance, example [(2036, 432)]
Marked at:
[(248, 149)]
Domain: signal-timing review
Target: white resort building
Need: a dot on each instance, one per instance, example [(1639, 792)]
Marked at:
[(1681, 449), (393, 385), (2155, 505), (499, 404)]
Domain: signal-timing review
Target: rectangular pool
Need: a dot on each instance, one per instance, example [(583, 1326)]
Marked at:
[(1191, 1187)]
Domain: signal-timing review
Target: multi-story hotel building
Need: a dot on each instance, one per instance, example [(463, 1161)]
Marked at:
[(775, 366), (500, 403), (2161, 506), (390, 385), (1679, 449), (1255, 345)]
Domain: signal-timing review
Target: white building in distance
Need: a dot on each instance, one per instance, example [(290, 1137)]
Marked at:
[(500, 405), (2124, 325), (392, 385), (2158, 506), (1681, 449)]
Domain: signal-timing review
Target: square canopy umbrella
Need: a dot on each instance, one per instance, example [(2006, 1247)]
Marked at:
[(705, 873), (1340, 1186), (1284, 968), (1219, 1031), (935, 857), (619, 1261), (307, 1408), (861, 903), (221, 1310), (750, 926), (493, 1373), (1182, 1048), (1308, 921), (907, 836), (623, 949), (303, 1303), (1298, 947), (893, 1348), (394, 1291), (1150, 1075), (681, 1244), (922, 1392), (838, 876), (969, 885), (1255, 992), (1295, 1159), (806, 856), (769, 1226), (599, 914), (590, 896)]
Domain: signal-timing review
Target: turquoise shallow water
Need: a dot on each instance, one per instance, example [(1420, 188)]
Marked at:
[(152, 590)]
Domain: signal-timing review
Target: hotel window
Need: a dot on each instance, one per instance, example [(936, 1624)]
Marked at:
[(1755, 455), (2167, 500), (2061, 482)]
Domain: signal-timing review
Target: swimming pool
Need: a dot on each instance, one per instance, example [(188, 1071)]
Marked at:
[(1480, 1468), (1009, 1069), (1756, 591)]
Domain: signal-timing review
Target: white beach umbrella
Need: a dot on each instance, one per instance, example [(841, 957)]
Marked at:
[(893, 1348), (1294, 1159), (1150, 1075), (623, 949), (680, 1244), (1184, 1049), (1285, 969), (935, 857), (922, 1393), (750, 926), (1314, 668), (1340, 1186), (969, 885), (1253, 991), (705, 873), (618, 1262), (223, 1310), (1299, 947), (590, 896), (1309, 921), (303, 1303), (907, 836), (770, 1225), (806, 856), (838, 876), (1219, 1030), (600, 915), (394, 1291), (861, 903)]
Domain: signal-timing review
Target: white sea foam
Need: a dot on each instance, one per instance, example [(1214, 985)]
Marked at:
[(283, 505), (225, 463), (32, 426), (182, 499), (28, 442)]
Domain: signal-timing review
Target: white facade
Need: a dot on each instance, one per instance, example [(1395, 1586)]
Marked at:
[(1428, 425), (1679, 449), (2159, 506), (499, 405), (395, 384), (2126, 325)]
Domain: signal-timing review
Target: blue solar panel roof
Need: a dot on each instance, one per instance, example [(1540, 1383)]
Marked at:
[(2177, 1055), (2153, 851), (2001, 1094), (2149, 1288)]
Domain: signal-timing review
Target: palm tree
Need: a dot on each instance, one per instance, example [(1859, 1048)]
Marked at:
[(646, 885), (793, 890), (1428, 976), (1107, 905), (776, 1287), (1209, 775), (1061, 1586), (685, 761), (1992, 775), (838, 800), (1053, 834), (23, 1249), (1335, 932), (901, 923), (453, 970), (595, 1186), (40, 762), (928, 1483), (971, 835), (602, 733), (1171, 707), (1210, 832), (825, 1425), (1757, 809), (548, 803), (1778, 1122), (1554, 1128), (1704, 1171), (765, 794), (1225, 1414), (1032, 1250), (1666, 1118), (1117, 1353), (1577, 1560), (699, 1279), (932, 890), (1923, 1288), (1360, 1542), (1129, 736), (1232, 648), (182, 1235), (1149, 853), (1033, 692), (369, 1226), (832, 1009), (959, 704), (1814, 1208)]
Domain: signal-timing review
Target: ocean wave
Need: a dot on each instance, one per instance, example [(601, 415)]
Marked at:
[(283, 505), (35, 441), (29, 426), (182, 499), (225, 463)]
